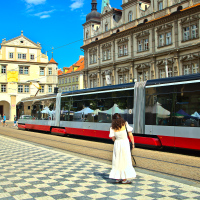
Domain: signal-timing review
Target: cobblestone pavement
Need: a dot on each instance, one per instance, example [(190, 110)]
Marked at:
[(31, 171)]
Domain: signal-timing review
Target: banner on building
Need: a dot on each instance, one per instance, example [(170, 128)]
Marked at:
[(12, 76)]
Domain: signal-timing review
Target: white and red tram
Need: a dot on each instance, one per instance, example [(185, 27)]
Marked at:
[(163, 112)]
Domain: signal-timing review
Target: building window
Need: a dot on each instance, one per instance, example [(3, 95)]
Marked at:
[(195, 68), (162, 73), (143, 45), (170, 72), (76, 87), (87, 35), (76, 78), (42, 89), (186, 33), (123, 50), (69, 88), (73, 88), (120, 78), (41, 71), (146, 44), (32, 56), (69, 80), (186, 69), (65, 80), (73, 79), (161, 40), (24, 70), (21, 56), (50, 88), (62, 80), (190, 32), (160, 5), (20, 88), (65, 89), (59, 81), (3, 69), (192, 68), (130, 16), (3, 88), (10, 55), (50, 71), (193, 31), (106, 54), (106, 27), (26, 88), (168, 38), (93, 57)]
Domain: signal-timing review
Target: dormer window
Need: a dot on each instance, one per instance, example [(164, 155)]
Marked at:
[(87, 35)]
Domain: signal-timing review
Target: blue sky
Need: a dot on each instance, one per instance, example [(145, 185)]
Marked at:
[(52, 23)]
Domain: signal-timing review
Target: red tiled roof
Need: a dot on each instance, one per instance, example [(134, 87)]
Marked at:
[(53, 61), (79, 64), (60, 72)]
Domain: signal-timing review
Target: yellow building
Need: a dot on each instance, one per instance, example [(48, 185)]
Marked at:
[(22, 68)]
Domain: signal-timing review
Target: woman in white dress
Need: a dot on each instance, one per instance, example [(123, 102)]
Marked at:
[(122, 168)]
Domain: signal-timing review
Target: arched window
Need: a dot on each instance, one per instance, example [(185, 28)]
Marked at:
[(130, 16)]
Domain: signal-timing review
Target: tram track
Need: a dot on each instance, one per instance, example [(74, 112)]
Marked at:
[(178, 165)]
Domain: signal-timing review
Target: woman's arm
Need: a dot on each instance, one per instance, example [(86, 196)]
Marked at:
[(131, 138), (113, 138)]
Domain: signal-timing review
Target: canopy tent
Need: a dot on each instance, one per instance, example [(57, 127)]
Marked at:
[(47, 111), (196, 115), (115, 109), (85, 111), (159, 110)]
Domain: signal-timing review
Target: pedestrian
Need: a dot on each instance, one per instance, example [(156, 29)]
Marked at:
[(4, 120), (122, 168), (1, 119), (15, 121)]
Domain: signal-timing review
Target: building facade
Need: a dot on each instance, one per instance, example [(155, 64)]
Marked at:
[(72, 77), (23, 67), (145, 40)]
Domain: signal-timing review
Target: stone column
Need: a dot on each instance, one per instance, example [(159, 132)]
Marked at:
[(12, 107)]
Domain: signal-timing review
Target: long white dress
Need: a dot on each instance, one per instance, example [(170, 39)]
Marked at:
[(122, 167)]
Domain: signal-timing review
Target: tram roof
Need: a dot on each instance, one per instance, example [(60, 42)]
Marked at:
[(152, 82)]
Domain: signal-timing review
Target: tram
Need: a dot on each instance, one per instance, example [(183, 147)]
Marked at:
[(163, 112)]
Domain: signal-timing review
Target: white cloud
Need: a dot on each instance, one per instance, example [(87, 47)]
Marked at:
[(35, 2), (44, 14), (77, 4)]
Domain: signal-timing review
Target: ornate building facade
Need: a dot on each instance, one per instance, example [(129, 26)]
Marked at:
[(22, 67), (145, 40), (72, 77)]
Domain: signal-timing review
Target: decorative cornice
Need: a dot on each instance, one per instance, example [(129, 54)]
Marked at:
[(123, 40), (142, 34), (106, 45), (93, 50), (164, 27), (189, 19)]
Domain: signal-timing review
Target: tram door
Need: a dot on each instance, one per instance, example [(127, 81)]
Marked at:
[(1, 110)]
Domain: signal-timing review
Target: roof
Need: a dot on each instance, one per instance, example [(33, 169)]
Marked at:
[(79, 64), (53, 61), (60, 72)]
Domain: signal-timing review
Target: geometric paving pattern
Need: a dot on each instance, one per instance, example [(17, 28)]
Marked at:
[(30, 172)]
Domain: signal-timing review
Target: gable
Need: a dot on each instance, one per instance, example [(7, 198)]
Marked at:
[(21, 41)]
